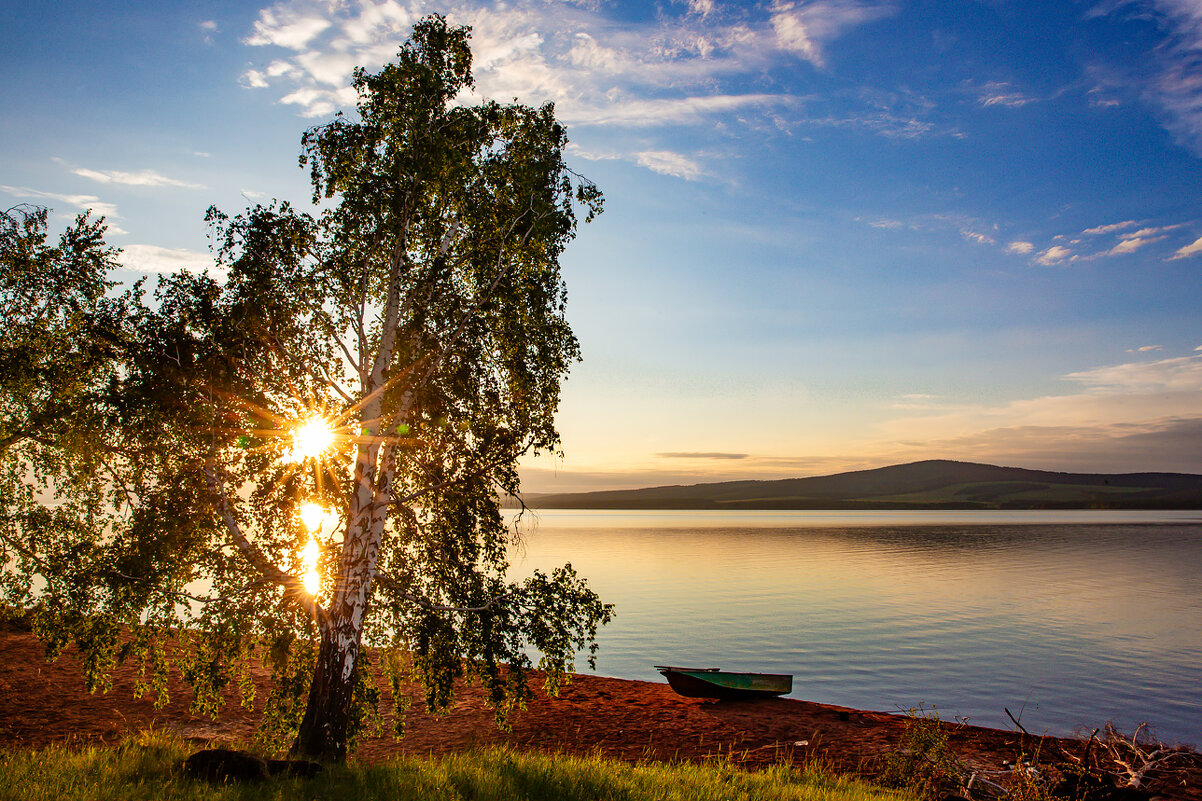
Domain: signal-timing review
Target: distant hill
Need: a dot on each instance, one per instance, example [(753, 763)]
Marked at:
[(932, 484)]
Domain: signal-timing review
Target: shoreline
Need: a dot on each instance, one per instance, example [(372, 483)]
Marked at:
[(44, 704)]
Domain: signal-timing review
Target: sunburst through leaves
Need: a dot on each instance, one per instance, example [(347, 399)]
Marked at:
[(311, 439)]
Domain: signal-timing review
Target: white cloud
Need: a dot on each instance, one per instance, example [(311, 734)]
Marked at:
[(253, 79), (979, 238), (1110, 229), (288, 25), (996, 93), (803, 28), (670, 71), (792, 34), (1144, 349), (1131, 244), (1183, 373), (1055, 255), (666, 162), (208, 27), (1020, 248), (1173, 84), (673, 111), (1147, 232), (1130, 414), (140, 178), (669, 163), (155, 259), (81, 202), (1192, 249)]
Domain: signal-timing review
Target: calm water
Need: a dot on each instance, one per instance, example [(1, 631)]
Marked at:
[(1069, 619)]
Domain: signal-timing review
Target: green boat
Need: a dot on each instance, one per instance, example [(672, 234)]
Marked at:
[(722, 684)]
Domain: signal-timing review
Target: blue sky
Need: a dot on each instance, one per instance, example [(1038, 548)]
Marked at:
[(839, 233)]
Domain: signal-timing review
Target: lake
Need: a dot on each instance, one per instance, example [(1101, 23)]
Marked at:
[(1069, 619)]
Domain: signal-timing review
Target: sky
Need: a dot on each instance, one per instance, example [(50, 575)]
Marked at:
[(839, 234)]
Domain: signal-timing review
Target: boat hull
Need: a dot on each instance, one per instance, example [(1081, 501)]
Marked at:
[(725, 685)]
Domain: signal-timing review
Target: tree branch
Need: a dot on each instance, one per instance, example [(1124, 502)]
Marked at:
[(425, 603), (500, 460), (252, 554)]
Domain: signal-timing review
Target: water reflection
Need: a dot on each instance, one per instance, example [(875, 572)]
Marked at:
[(1079, 621)]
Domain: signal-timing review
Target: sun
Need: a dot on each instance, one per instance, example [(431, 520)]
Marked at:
[(311, 439)]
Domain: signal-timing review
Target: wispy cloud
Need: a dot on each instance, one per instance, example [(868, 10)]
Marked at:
[(1172, 84), (999, 93), (1145, 349), (1131, 244), (686, 68), (292, 26), (139, 178), (1124, 414), (1192, 249), (665, 162), (976, 236), (1183, 373), (1055, 255), (1110, 229), (208, 27), (669, 163), (701, 455), (81, 202), (1125, 241), (803, 28), (887, 224)]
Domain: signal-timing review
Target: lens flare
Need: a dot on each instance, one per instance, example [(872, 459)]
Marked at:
[(311, 439), (311, 578), (312, 516)]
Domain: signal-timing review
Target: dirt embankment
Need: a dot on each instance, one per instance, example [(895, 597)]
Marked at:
[(43, 703)]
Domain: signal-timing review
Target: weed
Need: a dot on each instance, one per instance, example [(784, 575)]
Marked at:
[(923, 762)]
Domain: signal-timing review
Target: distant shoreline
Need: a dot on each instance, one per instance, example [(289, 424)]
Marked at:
[(933, 485)]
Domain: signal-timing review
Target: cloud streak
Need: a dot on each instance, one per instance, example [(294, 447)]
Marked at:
[(82, 202), (701, 455), (140, 178)]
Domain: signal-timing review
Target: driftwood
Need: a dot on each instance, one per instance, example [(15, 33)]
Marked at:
[(1141, 754)]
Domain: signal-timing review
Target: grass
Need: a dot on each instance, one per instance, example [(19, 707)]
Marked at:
[(147, 766)]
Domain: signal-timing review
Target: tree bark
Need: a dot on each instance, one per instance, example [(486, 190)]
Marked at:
[(324, 730)]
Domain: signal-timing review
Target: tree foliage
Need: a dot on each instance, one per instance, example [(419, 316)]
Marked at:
[(421, 316)]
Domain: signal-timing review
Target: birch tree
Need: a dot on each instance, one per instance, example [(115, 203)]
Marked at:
[(308, 456)]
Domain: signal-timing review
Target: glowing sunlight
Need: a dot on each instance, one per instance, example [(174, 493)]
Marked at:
[(311, 439), (309, 556)]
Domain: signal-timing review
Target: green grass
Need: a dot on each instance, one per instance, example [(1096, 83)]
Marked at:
[(147, 766)]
